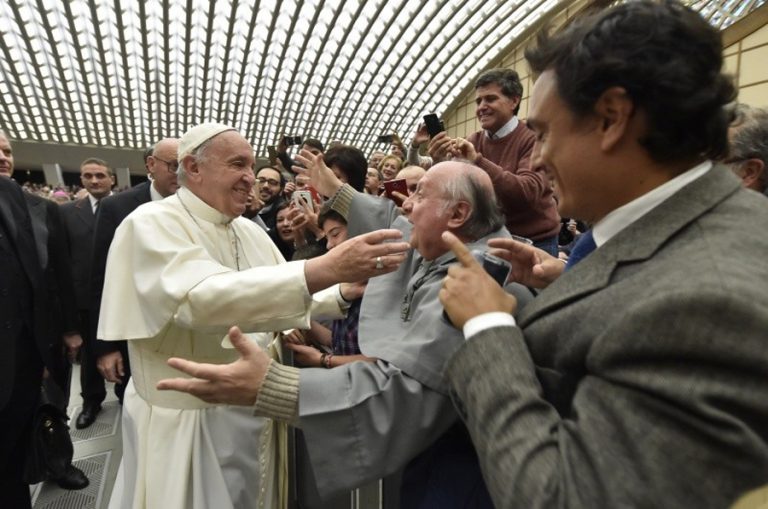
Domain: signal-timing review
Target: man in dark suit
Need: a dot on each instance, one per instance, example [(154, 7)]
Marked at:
[(26, 345), (79, 220), (51, 243), (642, 370), (112, 356)]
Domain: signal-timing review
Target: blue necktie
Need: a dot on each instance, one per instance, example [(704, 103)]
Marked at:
[(584, 246)]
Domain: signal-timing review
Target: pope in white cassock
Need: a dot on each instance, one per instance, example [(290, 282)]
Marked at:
[(180, 272)]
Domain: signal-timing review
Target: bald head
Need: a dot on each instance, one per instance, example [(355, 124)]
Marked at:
[(412, 175), (465, 182)]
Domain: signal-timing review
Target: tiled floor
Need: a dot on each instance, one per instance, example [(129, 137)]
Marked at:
[(98, 450)]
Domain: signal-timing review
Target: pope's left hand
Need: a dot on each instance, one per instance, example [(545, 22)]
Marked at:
[(468, 290), (237, 383)]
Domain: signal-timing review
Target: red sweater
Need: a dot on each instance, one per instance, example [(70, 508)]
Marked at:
[(524, 195)]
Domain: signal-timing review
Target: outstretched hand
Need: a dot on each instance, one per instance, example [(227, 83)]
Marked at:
[(321, 176), (531, 266), (468, 291), (237, 383)]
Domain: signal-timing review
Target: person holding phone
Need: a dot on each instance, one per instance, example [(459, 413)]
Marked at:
[(420, 137), (503, 149), (313, 145)]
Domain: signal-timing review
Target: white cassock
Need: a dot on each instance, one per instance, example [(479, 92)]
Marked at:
[(173, 289)]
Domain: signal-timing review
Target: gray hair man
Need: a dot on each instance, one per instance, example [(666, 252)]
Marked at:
[(748, 155)]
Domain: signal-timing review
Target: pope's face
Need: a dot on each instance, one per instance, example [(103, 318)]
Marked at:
[(223, 177)]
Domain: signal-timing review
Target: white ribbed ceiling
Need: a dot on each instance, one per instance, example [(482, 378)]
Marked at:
[(127, 73)]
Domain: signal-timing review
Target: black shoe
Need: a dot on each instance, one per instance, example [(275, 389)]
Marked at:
[(73, 479), (87, 415)]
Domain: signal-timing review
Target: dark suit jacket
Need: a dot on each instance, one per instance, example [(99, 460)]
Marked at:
[(51, 240), (112, 211), (79, 222), (640, 377), (16, 219)]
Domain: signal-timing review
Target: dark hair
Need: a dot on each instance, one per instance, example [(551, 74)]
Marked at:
[(312, 142), (507, 79), (285, 248), (96, 160), (666, 57), (268, 167), (326, 213), (351, 162)]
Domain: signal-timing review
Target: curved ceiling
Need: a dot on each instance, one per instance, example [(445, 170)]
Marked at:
[(126, 73)]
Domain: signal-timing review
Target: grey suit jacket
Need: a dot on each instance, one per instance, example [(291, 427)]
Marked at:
[(640, 377)]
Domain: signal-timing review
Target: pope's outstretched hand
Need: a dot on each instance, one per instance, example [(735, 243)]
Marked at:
[(237, 383)]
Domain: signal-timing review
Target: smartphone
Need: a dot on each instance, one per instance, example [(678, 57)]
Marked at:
[(385, 138), (300, 196), (272, 151), (292, 140), (399, 185), (496, 267), (315, 194), (434, 125)]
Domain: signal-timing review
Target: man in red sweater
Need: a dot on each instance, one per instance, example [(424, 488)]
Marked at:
[(503, 149)]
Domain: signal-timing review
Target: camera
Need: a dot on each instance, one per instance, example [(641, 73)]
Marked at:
[(292, 140), (385, 138)]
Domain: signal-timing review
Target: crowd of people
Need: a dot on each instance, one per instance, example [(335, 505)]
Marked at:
[(619, 360)]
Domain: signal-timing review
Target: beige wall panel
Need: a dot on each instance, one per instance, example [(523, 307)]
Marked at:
[(732, 49), (523, 113), (731, 65), (755, 95), (757, 38), (753, 67), (469, 111)]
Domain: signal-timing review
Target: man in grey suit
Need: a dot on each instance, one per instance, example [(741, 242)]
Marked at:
[(638, 378)]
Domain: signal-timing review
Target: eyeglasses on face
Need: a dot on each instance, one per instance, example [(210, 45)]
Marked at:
[(271, 182), (172, 165)]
